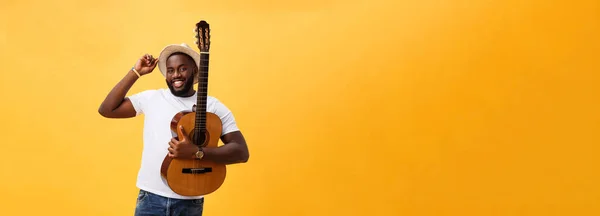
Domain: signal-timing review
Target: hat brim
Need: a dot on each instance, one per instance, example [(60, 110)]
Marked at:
[(175, 48)]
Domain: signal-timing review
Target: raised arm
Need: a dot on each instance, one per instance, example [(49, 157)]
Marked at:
[(116, 104)]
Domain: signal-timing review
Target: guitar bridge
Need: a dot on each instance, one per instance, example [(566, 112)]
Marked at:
[(196, 170)]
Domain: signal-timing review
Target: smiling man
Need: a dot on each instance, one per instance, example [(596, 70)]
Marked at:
[(178, 63)]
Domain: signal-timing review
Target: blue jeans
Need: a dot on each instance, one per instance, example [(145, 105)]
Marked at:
[(149, 204)]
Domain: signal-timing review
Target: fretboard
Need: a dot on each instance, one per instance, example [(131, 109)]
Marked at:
[(202, 93)]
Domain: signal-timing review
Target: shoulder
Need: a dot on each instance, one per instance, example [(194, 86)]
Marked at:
[(215, 104), (212, 99), (141, 100), (149, 96), (147, 93)]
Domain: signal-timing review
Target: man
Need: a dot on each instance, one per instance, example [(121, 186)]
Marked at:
[(178, 63)]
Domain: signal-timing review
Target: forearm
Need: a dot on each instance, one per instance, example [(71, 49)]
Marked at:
[(116, 96), (230, 153)]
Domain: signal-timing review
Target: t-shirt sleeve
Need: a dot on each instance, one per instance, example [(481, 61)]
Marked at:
[(140, 101), (226, 116)]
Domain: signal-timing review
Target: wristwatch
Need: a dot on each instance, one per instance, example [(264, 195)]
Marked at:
[(199, 154)]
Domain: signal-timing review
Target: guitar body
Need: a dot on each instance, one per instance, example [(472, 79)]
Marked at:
[(192, 177)]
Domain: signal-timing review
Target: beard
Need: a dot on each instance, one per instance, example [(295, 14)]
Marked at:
[(189, 84)]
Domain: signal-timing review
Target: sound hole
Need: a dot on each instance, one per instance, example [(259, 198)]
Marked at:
[(199, 137)]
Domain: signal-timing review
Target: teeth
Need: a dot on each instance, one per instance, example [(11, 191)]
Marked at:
[(178, 83)]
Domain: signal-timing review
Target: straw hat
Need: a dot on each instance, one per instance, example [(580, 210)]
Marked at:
[(174, 48)]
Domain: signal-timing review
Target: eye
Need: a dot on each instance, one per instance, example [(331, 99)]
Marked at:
[(182, 69)]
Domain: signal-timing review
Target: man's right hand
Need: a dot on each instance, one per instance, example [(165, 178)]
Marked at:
[(146, 64), (116, 104)]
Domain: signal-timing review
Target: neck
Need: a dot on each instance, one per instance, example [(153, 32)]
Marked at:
[(190, 93), (186, 95)]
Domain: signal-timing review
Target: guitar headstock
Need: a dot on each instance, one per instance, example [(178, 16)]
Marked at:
[(202, 36)]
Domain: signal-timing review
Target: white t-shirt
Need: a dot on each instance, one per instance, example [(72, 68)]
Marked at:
[(159, 106)]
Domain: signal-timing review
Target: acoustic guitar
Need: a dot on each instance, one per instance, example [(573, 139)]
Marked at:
[(192, 177)]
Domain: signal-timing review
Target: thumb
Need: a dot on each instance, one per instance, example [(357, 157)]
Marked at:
[(182, 131), (153, 63)]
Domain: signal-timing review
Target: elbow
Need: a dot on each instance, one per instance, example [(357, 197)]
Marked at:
[(244, 156), (103, 112), (106, 113)]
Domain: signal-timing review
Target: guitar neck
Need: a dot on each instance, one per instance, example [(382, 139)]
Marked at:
[(202, 92)]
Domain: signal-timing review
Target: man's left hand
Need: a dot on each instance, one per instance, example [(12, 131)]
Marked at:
[(183, 148)]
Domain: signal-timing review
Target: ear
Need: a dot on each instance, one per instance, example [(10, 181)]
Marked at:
[(194, 73)]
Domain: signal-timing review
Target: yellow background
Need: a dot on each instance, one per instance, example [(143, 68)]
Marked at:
[(349, 107)]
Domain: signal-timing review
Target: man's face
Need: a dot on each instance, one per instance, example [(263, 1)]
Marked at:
[(179, 76)]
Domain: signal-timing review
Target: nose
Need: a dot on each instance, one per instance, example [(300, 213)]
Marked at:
[(176, 74)]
